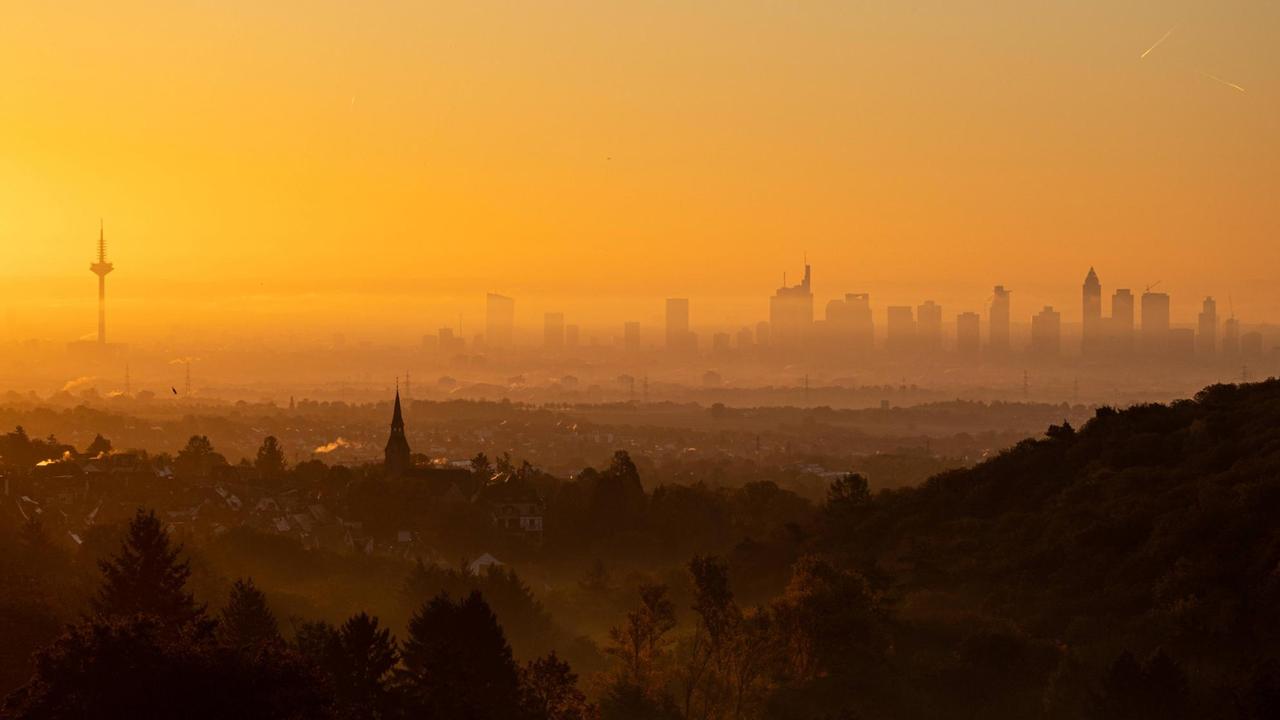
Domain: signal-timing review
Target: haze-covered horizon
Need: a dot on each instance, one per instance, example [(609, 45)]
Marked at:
[(376, 170)]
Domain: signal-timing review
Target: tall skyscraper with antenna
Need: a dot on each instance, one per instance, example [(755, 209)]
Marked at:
[(101, 268)]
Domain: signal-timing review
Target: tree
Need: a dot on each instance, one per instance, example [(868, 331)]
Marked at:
[(623, 700), (99, 446), (146, 577), (360, 664), (247, 622), (136, 667), (481, 468), (549, 691), (270, 461), (847, 493), (457, 663), (730, 651), (1154, 689), (640, 643), (832, 640), (618, 499), (198, 457)]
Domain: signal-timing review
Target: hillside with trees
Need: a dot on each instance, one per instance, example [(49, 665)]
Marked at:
[(1127, 568)]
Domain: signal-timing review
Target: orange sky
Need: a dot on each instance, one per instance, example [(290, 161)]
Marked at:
[(319, 163)]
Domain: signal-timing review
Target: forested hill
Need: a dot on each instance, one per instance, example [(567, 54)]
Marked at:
[(1154, 527)]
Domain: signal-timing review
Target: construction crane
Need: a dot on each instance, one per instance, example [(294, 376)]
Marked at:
[(1152, 286)]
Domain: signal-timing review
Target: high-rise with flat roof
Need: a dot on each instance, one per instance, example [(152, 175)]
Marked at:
[(849, 322), (1207, 328), (1155, 322), (1231, 337), (679, 339), (1121, 324), (900, 329), (553, 331), (969, 334), (499, 321), (631, 336), (998, 322), (1046, 333), (929, 327)]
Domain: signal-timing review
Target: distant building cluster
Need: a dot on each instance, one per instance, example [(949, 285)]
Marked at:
[(1134, 327)]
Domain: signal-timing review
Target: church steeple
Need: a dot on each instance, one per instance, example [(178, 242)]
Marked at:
[(397, 420), (397, 455)]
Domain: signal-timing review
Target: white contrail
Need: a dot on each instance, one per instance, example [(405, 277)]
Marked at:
[(1217, 79), (1158, 44)]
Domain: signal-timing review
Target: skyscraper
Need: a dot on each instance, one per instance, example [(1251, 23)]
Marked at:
[(500, 317), (1207, 335), (968, 334), (1091, 328), (929, 327), (101, 268), (1231, 337), (1155, 322), (1046, 333), (1121, 324), (631, 336), (553, 331), (679, 339), (849, 322), (900, 330), (791, 313), (762, 334), (998, 320)]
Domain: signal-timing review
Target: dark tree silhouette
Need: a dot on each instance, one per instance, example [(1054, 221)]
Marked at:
[(247, 623), (549, 691), (136, 667), (481, 467), (359, 662), (147, 577), (457, 663), (1154, 689), (99, 446), (270, 462), (198, 457)]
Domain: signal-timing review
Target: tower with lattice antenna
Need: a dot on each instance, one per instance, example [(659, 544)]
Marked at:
[(101, 268)]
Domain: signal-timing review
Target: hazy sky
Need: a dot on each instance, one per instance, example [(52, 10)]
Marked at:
[(326, 162)]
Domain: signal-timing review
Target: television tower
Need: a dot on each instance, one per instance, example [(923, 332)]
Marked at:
[(101, 268)]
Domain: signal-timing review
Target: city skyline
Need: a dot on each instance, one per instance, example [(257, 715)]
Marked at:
[(794, 328), (343, 163)]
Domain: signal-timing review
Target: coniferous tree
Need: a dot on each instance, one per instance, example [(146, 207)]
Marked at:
[(270, 461), (457, 663), (147, 577), (247, 623), (360, 661)]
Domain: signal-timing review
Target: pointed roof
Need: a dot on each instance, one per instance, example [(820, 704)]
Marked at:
[(397, 421)]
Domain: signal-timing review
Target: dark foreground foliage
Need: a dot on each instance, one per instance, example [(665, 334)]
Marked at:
[(1129, 568)]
